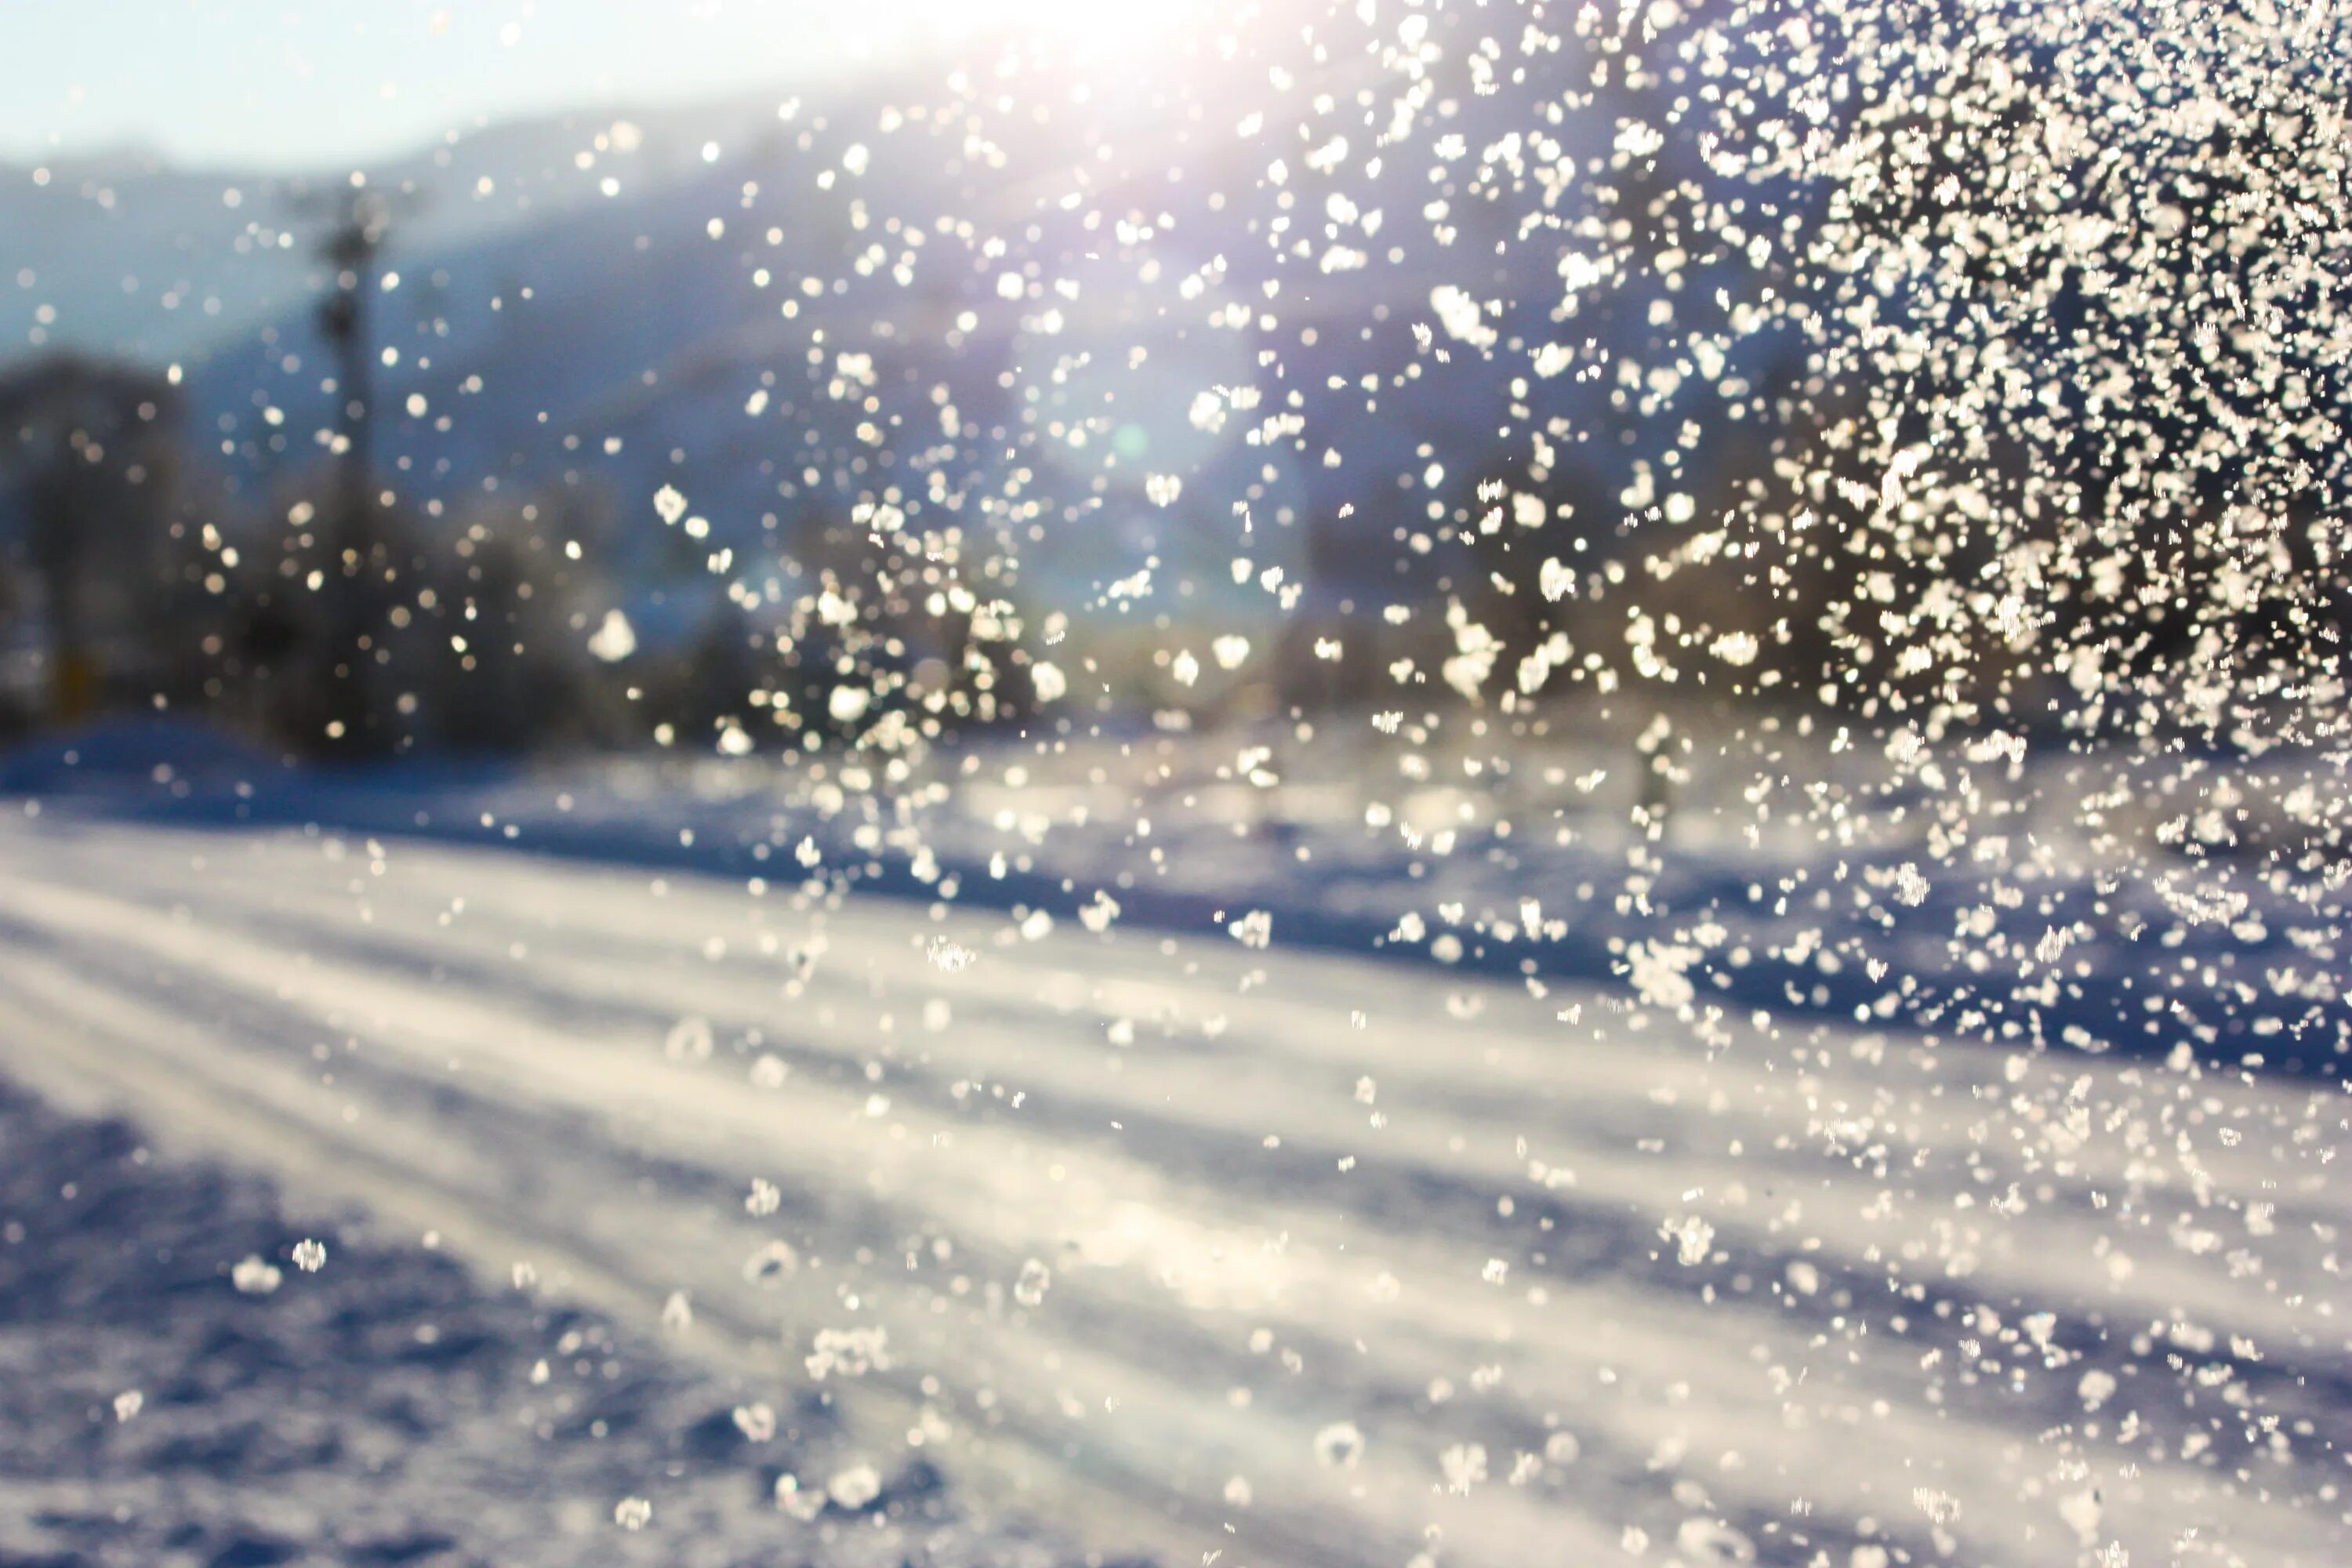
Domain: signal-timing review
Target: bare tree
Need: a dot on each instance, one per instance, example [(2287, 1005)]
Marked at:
[(88, 451)]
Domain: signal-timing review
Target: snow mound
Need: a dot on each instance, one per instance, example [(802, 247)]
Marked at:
[(112, 754)]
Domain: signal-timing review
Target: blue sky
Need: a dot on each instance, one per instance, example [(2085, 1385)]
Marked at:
[(300, 83)]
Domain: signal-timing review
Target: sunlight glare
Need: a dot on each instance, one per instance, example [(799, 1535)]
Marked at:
[(1093, 26)]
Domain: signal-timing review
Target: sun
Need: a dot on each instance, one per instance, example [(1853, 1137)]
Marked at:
[(1091, 26)]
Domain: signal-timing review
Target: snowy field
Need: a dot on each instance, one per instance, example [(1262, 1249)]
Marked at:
[(1175, 1248), (169, 1395)]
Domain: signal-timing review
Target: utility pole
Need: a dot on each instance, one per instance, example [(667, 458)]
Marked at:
[(354, 560)]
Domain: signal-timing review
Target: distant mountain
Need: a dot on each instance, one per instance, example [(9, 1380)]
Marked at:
[(123, 254)]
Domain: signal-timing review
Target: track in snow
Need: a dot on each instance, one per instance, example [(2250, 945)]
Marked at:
[(1274, 1193)]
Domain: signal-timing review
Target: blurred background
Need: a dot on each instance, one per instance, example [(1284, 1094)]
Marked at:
[(433, 379), (346, 357)]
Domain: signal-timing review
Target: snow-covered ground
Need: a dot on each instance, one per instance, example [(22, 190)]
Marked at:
[(2091, 901), (170, 1394), (1213, 1253)]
